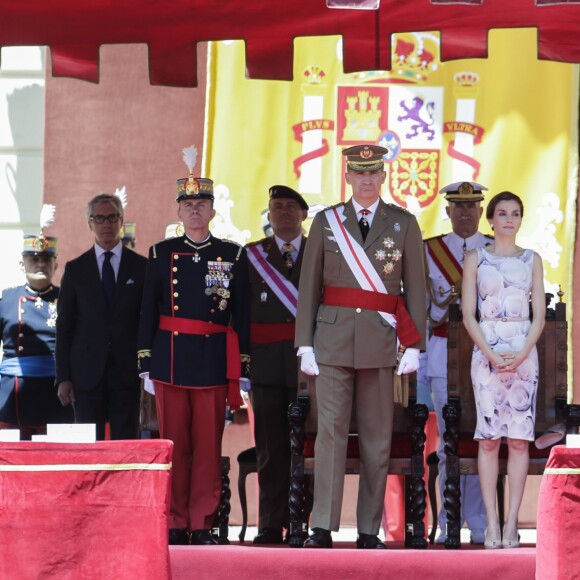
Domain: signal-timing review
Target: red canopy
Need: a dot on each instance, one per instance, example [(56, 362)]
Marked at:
[(74, 30)]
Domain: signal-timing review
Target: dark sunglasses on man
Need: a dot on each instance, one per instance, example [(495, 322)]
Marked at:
[(112, 218)]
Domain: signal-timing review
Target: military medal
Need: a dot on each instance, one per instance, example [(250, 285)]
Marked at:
[(388, 243), (380, 255), (263, 297)]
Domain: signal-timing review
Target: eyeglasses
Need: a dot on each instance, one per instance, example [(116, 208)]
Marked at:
[(112, 218)]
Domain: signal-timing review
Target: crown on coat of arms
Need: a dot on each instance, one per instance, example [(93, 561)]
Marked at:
[(415, 57)]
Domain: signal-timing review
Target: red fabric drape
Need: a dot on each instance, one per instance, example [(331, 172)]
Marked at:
[(557, 548), (84, 511), (75, 30)]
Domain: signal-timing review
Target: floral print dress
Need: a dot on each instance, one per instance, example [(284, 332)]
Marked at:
[(506, 402)]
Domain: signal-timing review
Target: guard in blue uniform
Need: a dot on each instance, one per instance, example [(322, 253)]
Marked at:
[(194, 347), (28, 399)]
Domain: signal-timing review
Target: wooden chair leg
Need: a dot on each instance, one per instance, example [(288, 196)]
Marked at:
[(452, 493), (415, 494), (433, 466), (222, 517), (247, 463), (296, 497)]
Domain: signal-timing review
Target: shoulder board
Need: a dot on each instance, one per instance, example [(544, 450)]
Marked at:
[(231, 242), (395, 206), (333, 206), (255, 243)]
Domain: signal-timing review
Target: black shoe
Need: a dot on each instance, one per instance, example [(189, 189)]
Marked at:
[(268, 536), (320, 538), (178, 537), (369, 542), (202, 538)]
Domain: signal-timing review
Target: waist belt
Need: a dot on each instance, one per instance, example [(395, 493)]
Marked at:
[(261, 333), (441, 330), (369, 300), (506, 319), (233, 359)]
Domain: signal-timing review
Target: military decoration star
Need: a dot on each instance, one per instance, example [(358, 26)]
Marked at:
[(388, 268), (380, 255), (388, 243), (396, 255)]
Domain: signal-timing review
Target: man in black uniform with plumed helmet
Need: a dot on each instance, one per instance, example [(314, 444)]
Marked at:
[(193, 345)]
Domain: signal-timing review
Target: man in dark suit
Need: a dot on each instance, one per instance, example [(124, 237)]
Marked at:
[(194, 347), (275, 263), (351, 318), (97, 325)]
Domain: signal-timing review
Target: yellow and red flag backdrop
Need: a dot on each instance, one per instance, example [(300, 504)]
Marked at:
[(508, 122)]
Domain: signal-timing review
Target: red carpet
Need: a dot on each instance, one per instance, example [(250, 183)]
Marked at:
[(252, 563)]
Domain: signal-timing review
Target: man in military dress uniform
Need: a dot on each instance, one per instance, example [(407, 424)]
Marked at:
[(28, 398), (194, 323), (351, 319), (275, 263), (444, 264)]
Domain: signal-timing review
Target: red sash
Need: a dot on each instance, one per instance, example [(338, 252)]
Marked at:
[(441, 330), (358, 298), (233, 364), (261, 333)]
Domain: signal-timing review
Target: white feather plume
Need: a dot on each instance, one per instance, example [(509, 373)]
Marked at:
[(190, 157), (47, 215), (122, 195)]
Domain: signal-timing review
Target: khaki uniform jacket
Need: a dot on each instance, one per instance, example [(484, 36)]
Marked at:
[(343, 336)]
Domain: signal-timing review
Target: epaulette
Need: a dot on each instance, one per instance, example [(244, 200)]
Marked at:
[(333, 206), (231, 242), (255, 242), (395, 206)]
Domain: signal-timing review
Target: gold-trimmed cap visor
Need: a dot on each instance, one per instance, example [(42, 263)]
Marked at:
[(365, 157), (463, 191)]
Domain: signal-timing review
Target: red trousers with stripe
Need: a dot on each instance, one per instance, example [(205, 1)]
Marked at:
[(194, 419)]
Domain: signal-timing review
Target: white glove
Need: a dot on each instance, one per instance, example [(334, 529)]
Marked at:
[(245, 385), (148, 384), (409, 362), (307, 361)]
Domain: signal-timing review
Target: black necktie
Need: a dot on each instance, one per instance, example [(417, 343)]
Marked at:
[(287, 250), (108, 278), (363, 223)]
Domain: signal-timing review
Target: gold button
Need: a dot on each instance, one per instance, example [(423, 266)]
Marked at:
[(176, 307), (358, 311), (20, 348), (175, 294), (176, 257), (175, 268), (175, 333), (175, 280), (21, 335), (207, 335), (212, 311)]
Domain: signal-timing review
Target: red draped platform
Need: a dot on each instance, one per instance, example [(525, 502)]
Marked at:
[(558, 552), (343, 561), (84, 511)]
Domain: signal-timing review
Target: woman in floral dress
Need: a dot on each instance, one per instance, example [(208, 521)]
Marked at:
[(500, 282)]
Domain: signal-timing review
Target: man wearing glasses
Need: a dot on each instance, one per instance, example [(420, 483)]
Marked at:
[(96, 331)]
